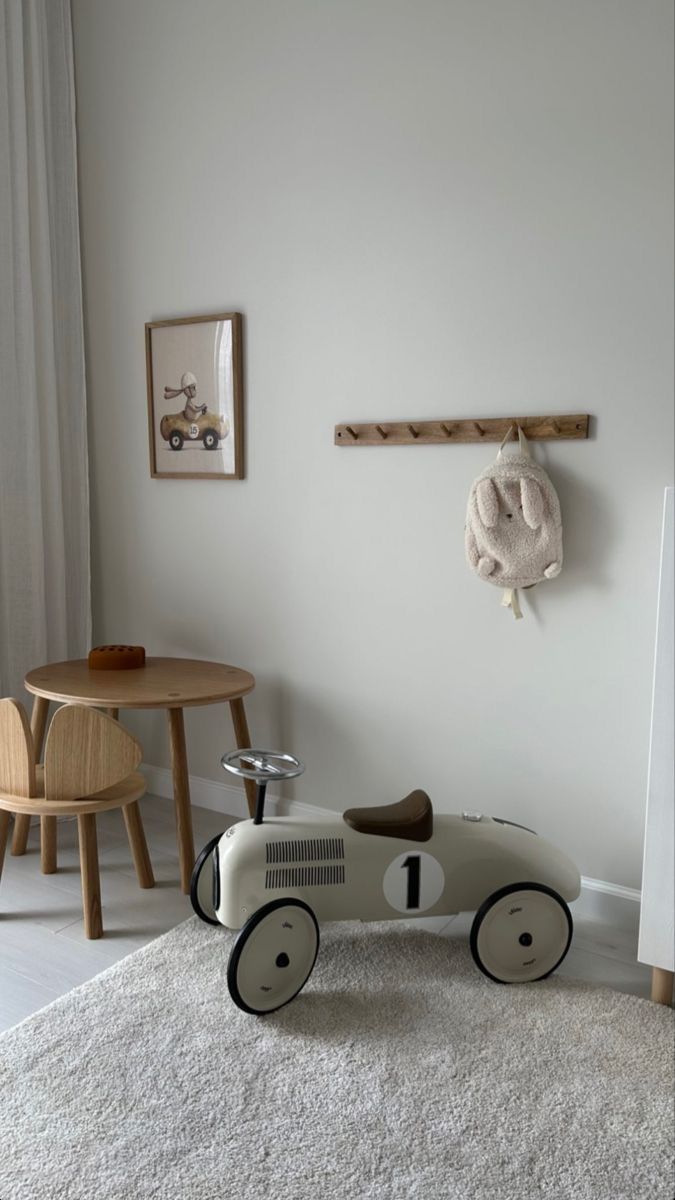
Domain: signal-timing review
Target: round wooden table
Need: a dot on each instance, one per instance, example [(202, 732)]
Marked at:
[(170, 683)]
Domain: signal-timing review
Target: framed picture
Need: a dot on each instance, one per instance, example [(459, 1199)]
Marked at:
[(195, 397)]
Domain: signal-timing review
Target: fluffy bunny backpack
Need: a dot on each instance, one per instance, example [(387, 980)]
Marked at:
[(513, 525)]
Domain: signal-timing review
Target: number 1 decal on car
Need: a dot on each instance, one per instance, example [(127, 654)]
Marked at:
[(413, 882)]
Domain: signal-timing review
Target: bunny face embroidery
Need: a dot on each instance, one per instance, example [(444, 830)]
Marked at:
[(513, 527)]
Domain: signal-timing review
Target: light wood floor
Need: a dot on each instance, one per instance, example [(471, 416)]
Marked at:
[(44, 953)]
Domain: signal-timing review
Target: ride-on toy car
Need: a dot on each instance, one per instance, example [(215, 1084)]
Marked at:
[(275, 878)]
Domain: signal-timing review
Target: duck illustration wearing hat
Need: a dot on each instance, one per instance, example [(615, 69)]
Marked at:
[(188, 388)]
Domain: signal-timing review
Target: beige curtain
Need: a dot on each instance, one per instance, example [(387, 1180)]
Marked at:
[(44, 495)]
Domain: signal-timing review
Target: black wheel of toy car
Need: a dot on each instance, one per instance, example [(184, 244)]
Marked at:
[(176, 440), (521, 933), (273, 956), (210, 439), (205, 882)]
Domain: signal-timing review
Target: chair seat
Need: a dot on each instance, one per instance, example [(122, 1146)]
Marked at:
[(125, 792)]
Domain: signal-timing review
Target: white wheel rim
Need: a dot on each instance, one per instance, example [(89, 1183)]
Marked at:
[(277, 958), (503, 944)]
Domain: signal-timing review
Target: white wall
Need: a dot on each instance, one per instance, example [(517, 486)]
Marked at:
[(456, 208)]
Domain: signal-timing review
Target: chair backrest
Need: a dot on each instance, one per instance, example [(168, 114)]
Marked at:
[(86, 751), (17, 757)]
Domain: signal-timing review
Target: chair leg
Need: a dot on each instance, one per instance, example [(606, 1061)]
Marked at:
[(4, 830), (20, 836), (48, 845), (91, 883), (139, 847)]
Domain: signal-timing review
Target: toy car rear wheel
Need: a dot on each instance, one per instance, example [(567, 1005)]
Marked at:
[(521, 933), (204, 883), (176, 440), (273, 957), (210, 439)]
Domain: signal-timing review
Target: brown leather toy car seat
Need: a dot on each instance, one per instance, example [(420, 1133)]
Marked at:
[(411, 819)]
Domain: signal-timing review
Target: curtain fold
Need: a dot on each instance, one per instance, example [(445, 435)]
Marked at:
[(45, 610)]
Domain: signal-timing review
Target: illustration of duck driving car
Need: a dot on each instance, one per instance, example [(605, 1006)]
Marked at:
[(195, 423)]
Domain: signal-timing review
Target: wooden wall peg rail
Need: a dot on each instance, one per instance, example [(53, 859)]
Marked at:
[(447, 431)]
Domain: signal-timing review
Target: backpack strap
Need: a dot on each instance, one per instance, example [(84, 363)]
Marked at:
[(510, 600), (522, 441)]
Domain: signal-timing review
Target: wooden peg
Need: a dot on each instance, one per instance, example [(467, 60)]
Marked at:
[(381, 432), (413, 431), (554, 425), (479, 428), (354, 435), (446, 431)]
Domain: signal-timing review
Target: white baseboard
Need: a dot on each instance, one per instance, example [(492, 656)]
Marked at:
[(611, 903), (229, 799)]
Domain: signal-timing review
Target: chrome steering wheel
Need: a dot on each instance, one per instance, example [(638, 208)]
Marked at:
[(262, 766), (265, 764)]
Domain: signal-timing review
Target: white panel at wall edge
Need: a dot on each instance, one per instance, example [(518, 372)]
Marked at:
[(657, 933)]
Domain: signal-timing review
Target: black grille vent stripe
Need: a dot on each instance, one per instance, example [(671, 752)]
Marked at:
[(296, 877), (308, 850)]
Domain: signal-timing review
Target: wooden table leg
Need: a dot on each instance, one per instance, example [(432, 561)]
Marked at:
[(181, 797), (243, 740), (38, 724), (662, 986), (138, 844)]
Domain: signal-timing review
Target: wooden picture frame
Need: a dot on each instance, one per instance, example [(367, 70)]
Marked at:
[(195, 397)]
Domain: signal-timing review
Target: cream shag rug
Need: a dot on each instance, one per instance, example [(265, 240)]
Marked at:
[(399, 1072)]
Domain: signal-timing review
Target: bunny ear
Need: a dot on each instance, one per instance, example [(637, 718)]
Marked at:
[(488, 502), (533, 502)]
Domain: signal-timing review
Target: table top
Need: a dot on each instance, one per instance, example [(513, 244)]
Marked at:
[(161, 683)]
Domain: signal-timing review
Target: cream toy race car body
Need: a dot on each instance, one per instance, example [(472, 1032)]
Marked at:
[(276, 878)]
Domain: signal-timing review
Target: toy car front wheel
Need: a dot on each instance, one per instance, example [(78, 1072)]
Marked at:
[(521, 933), (204, 883), (273, 957), (210, 439), (176, 440)]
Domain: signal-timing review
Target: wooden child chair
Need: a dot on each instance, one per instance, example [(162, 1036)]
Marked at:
[(89, 766)]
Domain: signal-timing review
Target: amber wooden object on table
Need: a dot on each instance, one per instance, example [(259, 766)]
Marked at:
[(90, 766), (116, 658)]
